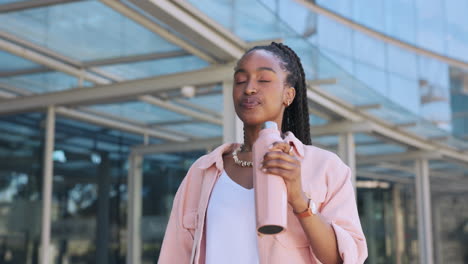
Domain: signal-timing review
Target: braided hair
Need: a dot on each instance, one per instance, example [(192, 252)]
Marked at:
[(296, 115)]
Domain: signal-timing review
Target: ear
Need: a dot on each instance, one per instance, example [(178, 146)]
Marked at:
[(290, 93)]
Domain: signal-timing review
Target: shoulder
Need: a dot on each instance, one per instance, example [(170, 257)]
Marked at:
[(326, 165), (323, 156), (210, 161)]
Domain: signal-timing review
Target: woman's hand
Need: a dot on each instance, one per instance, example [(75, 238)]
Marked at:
[(281, 161)]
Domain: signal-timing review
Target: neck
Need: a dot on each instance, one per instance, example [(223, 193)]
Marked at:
[(251, 134)]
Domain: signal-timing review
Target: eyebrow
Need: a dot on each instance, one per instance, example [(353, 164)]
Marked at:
[(258, 69)]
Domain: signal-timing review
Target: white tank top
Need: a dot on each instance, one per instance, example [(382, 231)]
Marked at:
[(231, 235)]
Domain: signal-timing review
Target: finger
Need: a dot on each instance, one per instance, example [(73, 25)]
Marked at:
[(285, 174), (278, 163), (281, 146), (280, 155)]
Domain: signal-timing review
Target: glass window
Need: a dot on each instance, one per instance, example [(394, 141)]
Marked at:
[(12, 1), (89, 193), (402, 62), (84, 30), (457, 29), (388, 216), (405, 93), (450, 221), (21, 173), (162, 175), (139, 70), (400, 20), (200, 130), (140, 111), (372, 76), (342, 7), (343, 61), (11, 62), (370, 13), (430, 24), (44, 82), (334, 36), (257, 22), (369, 50)]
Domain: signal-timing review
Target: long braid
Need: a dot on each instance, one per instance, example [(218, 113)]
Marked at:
[(296, 115)]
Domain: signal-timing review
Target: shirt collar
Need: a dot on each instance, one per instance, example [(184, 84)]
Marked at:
[(216, 156), (293, 140)]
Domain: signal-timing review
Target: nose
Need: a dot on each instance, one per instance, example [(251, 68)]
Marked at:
[(250, 88)]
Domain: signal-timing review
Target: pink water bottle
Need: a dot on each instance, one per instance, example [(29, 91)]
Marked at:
[(271, 199)]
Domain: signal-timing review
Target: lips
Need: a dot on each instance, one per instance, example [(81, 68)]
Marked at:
[(250, 102)]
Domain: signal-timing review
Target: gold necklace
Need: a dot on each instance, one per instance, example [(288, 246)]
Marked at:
[(239, 162)]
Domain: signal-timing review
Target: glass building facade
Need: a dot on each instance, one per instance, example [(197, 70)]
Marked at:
[(104, 105)]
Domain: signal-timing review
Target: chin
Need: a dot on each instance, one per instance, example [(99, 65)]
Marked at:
[(253, 120)]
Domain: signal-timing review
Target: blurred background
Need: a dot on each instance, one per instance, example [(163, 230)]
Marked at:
[(104, 105)]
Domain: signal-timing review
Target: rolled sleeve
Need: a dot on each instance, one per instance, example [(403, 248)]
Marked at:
[(340, 210), (347, 246), (177, 242)]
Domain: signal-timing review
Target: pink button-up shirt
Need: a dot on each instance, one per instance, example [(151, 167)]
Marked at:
[(325, 179)]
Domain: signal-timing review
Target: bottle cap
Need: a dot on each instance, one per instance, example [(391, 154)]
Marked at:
[(270, 124)]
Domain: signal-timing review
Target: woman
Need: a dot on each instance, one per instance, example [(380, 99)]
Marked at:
[(213, 216)]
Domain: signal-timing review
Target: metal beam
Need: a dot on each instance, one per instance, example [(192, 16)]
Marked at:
[(118, 91), (111, 121), (397, 157), (199, 144), (156, 28), (318, 82), (341, 127), (369, 106), (383, 128), (36, 48), (136, 58), (181, 110), (338, 107), (380, 36), (34, 70), (195, 26), (83, 74), (24, 5), (384, 177), (50, 62), (198, 108), (171, 123), (103, 62), (447, 175), (6, 95), (117, 124), (56, 61)]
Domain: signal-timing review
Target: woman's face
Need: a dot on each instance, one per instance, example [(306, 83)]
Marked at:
[(260, 92)]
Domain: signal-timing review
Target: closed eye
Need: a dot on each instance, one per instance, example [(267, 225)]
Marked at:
[(264, 81)]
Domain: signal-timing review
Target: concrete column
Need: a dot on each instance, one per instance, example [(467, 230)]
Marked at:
[(347, 152), (398, 223), (233, 129), (102, 236), (134, 210), (48, 172), (423, 204)]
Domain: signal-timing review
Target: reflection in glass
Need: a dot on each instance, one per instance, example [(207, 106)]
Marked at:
[(21, 147)]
